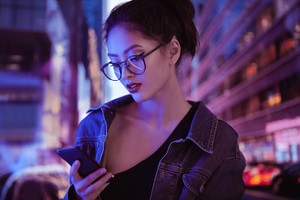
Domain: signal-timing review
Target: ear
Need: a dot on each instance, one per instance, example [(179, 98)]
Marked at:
[(174, 50)]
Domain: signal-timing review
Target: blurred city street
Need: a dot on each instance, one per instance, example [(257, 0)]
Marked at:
[(263, 194), (246, 71)]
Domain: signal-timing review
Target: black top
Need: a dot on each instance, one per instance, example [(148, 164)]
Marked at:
[(136, 182)]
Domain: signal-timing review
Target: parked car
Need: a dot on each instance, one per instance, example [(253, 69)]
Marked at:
[(260, 174), (288, 181)]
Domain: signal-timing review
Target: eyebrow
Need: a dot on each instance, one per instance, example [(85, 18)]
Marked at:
[(126, 50)]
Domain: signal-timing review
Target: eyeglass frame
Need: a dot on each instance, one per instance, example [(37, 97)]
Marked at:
[(119, 64)]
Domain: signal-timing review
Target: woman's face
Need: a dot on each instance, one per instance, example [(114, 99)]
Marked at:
[(123, 43)]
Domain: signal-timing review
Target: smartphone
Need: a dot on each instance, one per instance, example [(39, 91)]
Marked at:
[(88, 164)]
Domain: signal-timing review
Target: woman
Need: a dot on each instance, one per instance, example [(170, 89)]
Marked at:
[(155, 144)]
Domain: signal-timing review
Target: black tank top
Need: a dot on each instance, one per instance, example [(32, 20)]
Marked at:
[(136, 182)]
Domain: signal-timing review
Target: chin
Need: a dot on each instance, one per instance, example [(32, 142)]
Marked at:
[(139, 98)]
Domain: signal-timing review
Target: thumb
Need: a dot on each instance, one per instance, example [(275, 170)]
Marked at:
[(75, 177)]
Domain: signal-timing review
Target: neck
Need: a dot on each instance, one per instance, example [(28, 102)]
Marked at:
[(165, 109)]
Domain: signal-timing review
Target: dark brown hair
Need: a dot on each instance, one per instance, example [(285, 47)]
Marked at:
[(158, 19)]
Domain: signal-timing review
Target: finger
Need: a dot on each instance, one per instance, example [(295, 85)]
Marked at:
[(75, 177), (86, 187), (93, 177), (100, 184), (103, 181)]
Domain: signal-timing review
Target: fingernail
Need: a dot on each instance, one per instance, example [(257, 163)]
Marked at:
[(110, 179)]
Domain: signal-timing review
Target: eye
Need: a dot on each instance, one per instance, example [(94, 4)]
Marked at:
[(115, 65), (136, 58)]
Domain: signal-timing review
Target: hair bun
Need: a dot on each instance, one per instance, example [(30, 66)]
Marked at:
[(183, 8), (180, 7), (184, 11)]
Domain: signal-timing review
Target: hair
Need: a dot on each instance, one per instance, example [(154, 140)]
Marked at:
[(158, 19)]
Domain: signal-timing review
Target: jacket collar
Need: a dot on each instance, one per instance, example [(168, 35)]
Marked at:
[(203, 128), (114, 104)]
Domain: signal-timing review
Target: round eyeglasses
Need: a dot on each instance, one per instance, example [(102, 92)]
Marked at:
[(135, 64)]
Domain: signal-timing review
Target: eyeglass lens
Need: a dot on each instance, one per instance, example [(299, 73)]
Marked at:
[(134, 64)]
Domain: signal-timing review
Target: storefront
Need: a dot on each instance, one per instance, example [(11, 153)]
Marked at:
[(286, 134), (258, 149)]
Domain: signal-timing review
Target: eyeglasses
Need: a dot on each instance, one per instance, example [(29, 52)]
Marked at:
[(135, 64)]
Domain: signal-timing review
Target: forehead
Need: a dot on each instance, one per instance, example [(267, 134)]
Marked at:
[(121, 37)]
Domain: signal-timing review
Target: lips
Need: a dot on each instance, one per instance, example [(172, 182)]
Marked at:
[(133, 87)]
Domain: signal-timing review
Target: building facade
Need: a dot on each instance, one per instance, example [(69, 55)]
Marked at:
[(40, 54), (247, 72)]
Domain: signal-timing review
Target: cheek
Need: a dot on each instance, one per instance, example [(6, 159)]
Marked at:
[(156, 74), (158, 65)]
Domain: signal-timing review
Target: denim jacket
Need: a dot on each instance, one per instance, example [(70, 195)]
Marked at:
[(207, 164)]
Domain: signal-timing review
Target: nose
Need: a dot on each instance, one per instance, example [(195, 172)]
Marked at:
[(125, 72)]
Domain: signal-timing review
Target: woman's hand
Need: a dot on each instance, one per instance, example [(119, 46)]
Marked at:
[(89, 188)]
